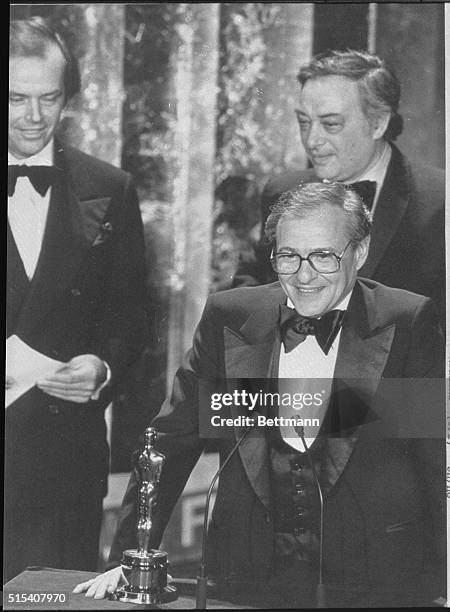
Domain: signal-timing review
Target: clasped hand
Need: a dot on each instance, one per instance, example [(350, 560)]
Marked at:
[(76, 380)]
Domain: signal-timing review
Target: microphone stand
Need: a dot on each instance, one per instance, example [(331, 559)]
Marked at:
[(202, 580), (321, 596)]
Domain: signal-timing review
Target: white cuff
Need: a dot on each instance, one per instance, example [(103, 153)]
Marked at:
[(104, 384)]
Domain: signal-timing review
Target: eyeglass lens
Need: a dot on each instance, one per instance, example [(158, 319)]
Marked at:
[(289, 263)]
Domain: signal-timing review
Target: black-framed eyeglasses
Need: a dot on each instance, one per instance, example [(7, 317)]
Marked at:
[(324, 262)]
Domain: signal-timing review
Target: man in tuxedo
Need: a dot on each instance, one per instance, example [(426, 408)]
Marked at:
[(75, 293), (366, 353), (348, 118)]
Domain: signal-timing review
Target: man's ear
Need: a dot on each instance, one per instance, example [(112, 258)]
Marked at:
[(362, 250), (379, 125)]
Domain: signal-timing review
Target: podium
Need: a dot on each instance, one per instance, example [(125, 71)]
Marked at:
[(43, 588), (40, 581)]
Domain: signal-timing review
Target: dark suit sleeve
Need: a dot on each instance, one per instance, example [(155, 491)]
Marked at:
[(255, 269), (179, 440), (122, 327)]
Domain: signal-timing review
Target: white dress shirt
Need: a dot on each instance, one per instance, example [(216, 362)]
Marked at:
[(27, 210), (307, 370)]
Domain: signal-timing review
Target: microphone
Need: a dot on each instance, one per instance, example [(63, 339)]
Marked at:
[(202, 580), (321, 597)]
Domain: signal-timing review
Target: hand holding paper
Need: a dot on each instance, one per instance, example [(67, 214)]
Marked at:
[(24, 366), (76, 380)]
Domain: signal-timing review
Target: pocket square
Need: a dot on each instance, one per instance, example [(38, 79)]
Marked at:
[(93, 220)]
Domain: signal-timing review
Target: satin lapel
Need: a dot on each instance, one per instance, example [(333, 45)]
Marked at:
[(249, 353), (391, 206), (363, 352), (244, 360), (90, 209)]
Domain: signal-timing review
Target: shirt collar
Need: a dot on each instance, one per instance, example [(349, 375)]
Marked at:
[(377, 172), (43, 158)]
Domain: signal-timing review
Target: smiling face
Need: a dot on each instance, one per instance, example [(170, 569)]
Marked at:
[(325, 229), (338, 138), (36, 99)]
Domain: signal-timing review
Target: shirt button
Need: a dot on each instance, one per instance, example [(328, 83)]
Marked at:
[(295, 465), (53, 409), (299, 498)]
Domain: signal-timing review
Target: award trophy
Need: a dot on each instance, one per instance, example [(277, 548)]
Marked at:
[(146, 569)]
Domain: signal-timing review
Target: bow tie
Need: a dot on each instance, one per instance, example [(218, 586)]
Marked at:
[(41, 177), (294, 328), (366, 191)]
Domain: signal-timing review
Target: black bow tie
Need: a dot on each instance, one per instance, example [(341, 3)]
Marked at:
[(366, 191), (41, 177), (294, 328)]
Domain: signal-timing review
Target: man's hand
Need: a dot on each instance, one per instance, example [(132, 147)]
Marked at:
[(103, 585), (76, 380)]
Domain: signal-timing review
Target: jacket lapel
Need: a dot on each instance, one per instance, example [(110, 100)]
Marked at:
[(249, 354), (390, 209), (90, 210), (363, 352)]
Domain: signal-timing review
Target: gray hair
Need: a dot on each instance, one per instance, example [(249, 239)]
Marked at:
[(308, 197)]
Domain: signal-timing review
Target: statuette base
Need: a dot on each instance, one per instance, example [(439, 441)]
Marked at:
[(146, 574), (168, 594)]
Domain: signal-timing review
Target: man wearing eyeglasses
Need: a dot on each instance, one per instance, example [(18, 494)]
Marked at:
[(348, 345), (348, 118)]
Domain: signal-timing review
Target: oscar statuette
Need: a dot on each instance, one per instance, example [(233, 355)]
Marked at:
[(146, 569)]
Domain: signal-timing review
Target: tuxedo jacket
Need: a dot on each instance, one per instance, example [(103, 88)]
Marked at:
[(407, 248), (382, 471), (86, 296)]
